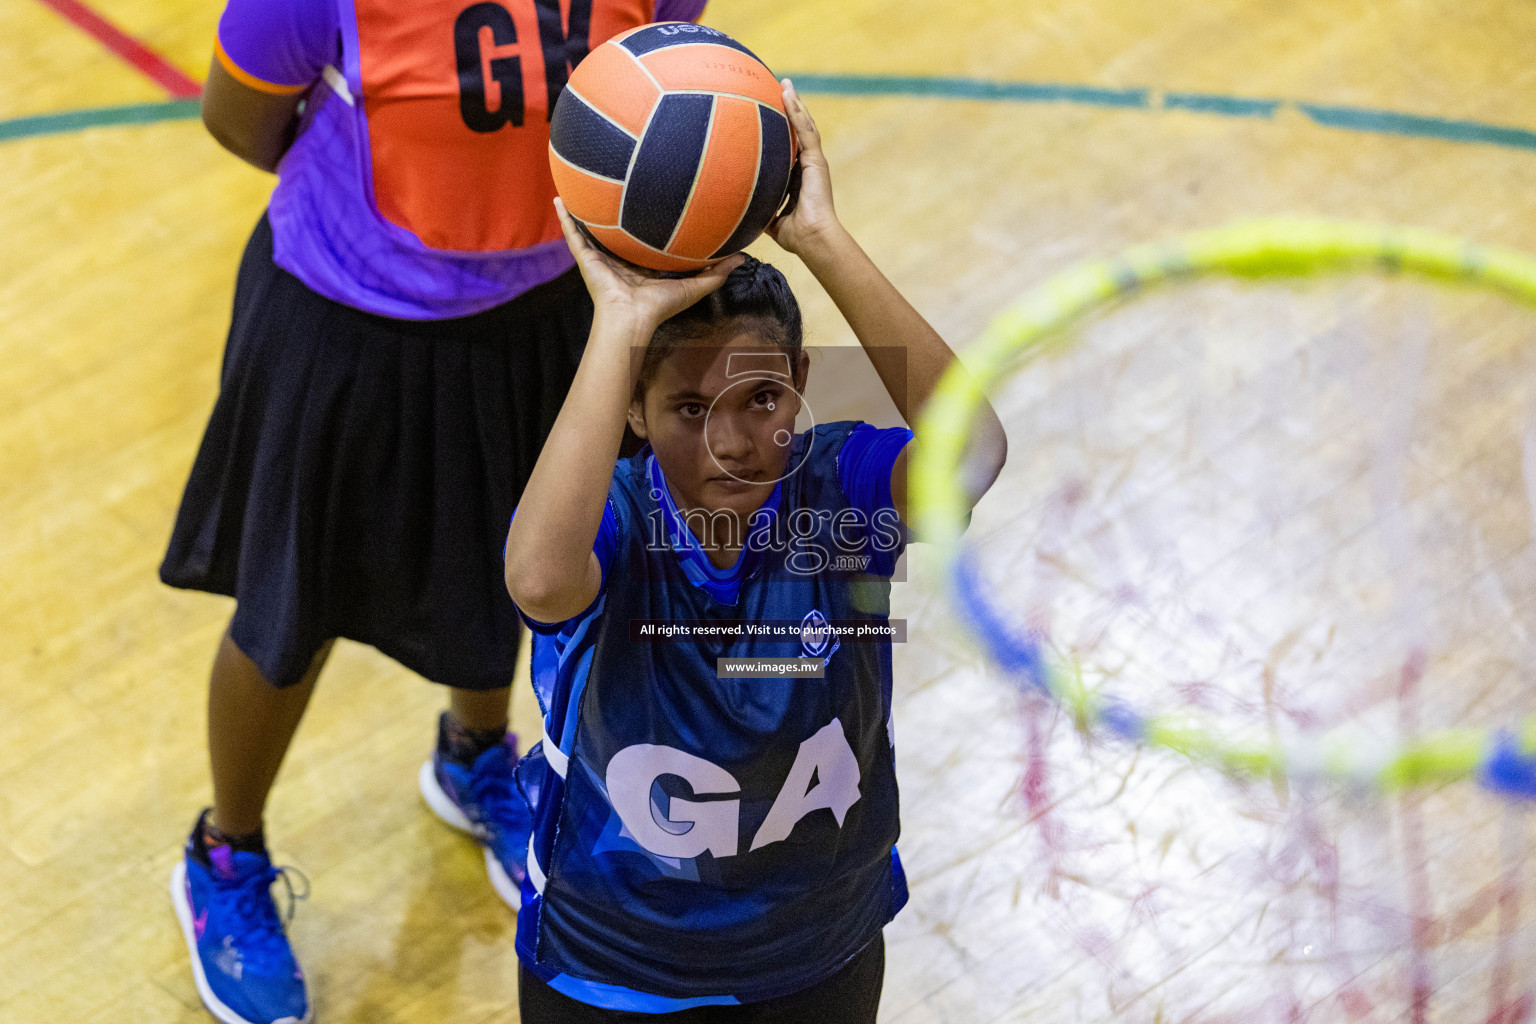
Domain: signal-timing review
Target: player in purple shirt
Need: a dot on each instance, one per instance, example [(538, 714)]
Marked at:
[(406, 325)]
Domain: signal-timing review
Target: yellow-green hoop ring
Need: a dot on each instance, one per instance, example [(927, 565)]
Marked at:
[(1504, 760)]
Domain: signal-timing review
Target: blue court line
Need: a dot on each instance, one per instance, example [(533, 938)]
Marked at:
[(1355, 119)]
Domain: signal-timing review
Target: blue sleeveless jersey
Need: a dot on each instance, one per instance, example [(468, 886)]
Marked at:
[(701, 840)]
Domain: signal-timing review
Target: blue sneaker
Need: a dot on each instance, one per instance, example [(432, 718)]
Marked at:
[(484, 801), (241, 960)]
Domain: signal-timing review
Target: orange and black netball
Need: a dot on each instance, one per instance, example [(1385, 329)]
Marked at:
[(671, 146)]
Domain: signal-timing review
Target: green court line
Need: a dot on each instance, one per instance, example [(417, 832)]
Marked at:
[(968, 89), (1387, 123), (1355, 119), (1226, 106), (97, 117)]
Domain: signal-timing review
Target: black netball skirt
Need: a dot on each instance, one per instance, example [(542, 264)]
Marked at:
[(358, 473)]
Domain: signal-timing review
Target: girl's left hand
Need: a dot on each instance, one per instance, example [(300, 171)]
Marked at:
[(809, 216), (633, 293)]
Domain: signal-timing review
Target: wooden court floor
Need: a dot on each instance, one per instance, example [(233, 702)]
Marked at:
[(116, 270)]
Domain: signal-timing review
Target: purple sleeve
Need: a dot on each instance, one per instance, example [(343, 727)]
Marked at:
[(282, 43), (679, 10)]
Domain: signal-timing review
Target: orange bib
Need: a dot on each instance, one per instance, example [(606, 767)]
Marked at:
[(457, 99)]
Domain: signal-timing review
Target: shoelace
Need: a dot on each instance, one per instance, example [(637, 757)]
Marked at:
[(265, 939), (288, 873), (498, 798)]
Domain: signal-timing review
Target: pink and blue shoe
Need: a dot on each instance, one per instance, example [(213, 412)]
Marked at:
[(241, 960)]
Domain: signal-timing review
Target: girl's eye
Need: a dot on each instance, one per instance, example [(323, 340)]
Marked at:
[(691, 410), (766, 399)]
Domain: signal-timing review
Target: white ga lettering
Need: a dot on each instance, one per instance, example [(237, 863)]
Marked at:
[(688, 827), (712, 825)]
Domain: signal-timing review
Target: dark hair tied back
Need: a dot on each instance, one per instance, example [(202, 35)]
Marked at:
[(755, 293)]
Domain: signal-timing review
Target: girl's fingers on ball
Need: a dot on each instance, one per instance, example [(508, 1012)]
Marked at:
[(723, 269), (796, 107), (573, 238), (710, 278), (800, 119)]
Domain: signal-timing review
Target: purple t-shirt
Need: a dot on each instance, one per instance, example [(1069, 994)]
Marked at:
[(418, 186)]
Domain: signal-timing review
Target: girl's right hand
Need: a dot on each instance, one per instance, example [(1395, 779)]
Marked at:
[(632, 294), (809, 219)]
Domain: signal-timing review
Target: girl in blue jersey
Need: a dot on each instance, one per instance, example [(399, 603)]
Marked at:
[(714, 845)]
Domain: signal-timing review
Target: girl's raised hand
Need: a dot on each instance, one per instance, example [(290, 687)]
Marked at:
[(809, 216), (626, 291)]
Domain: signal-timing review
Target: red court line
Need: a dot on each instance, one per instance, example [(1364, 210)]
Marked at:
[(150, 63)]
